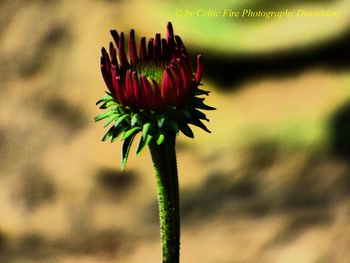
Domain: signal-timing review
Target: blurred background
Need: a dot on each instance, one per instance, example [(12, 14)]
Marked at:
[(271, 184)]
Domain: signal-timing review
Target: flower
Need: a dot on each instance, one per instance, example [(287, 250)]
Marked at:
[(159, 77), (153, 92)]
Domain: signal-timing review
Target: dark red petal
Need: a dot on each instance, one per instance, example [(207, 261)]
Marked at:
[(199, 70), (132, 47), (157, 96), (150, 99), (115, 36), (129, 89), (164, 84), (170, 31), (165, 52), (188, 62), (106, 76), (157, 47), (170, 37), (150, 48), (103, 51), (121, 52), (107, 69), (179, 42), (186, 77), (179, 84), (112, 53), (143, 52), (119, 90), (114, 71), (180, 45), (177, 74), (173, 89), (138, 94), (180, 75), (171, 44), (166, 88), (106, 59), (116, 94)]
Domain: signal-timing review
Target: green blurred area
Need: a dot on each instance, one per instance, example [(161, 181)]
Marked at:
[(269, 184)]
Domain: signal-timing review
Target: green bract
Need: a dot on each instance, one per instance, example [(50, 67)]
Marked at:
[(125, 123)]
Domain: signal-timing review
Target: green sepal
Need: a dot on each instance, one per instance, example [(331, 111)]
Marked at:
[(108, 104), (143, 143), (186, 114), (145, 129), (120, 109), (130, 133), (201, 92), (121, 119), (201, 105), (110, 119), (104, 115), (108, 134), (136, 118), (185, 129), (174, 126), (160, 139), (197, 100), (125, 150), (200, 115), (106, 97), (118, 131), (205, 107), (199, 124)]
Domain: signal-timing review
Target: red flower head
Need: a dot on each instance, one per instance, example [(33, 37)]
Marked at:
[(160, 76)]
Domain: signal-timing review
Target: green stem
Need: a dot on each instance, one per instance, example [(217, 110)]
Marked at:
[(164, 162)]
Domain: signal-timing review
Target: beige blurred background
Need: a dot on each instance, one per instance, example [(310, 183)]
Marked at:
[(270, 184)]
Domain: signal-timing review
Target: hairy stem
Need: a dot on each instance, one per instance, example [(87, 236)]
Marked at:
[(164, 162)]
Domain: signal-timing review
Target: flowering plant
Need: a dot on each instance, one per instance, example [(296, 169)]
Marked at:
[(155, 93)]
